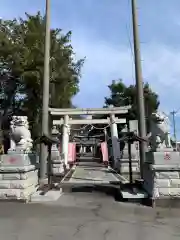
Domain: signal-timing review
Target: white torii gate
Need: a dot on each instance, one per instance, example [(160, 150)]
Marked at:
[(112, 121)]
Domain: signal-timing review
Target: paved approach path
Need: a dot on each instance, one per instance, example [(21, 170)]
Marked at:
[(90, 173), (87, 216)]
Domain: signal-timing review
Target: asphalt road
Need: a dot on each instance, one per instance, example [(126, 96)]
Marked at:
[(87, 216)]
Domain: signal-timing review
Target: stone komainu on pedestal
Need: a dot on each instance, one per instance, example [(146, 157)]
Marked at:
[(20, 134), (162, 166), (18, 174)]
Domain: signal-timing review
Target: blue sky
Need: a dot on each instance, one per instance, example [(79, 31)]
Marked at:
[(102, 32)]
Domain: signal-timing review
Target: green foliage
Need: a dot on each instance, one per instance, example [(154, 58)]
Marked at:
[(122, 95), (22, 64)]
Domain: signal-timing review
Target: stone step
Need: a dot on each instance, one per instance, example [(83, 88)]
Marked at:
[(127, 194)]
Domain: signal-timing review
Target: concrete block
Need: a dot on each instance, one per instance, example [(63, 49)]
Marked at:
[(18, 184), (57, 161), (58, 171), (15, 160), (165, 167), (18, 176), (17, 194), (126, 154), (58, 168), (174, 192), (175, 183), (161, 183), (164, 192), (55, 155), (58, 165), (129, 195), (16, 169), (167, 175), (125, 162), (161, 158), (126, 169)]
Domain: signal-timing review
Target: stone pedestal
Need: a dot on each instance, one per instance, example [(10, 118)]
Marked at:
[(134, 161), (162, 175), (133, 125), (57, 162), (18, 176), (56, 157)]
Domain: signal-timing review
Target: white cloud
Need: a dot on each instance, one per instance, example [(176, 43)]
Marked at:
[(105, 62)]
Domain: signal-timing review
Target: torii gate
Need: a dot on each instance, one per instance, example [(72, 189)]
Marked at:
[(112, 121)]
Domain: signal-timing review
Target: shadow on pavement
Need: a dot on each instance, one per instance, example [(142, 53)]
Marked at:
[(113, 191)]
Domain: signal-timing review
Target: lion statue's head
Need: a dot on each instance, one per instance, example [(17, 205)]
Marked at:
[(19, 121), (161, 120)]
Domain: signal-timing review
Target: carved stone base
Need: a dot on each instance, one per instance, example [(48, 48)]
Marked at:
[(163, 158), (18, 177), (19, 184), (162, 181), (18, 159), (17, 194), (57, 163), (58, 169)]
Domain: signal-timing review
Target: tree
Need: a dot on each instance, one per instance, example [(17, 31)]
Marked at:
[(22, 63), (122, 95)]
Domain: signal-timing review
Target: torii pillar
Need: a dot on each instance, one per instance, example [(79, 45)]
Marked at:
[(115, 143), (65, 140)]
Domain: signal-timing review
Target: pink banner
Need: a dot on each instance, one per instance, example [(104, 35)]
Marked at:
[(71, 152), (74, 151), (104, 150)]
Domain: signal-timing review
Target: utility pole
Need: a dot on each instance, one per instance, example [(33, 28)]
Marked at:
[(174, 127), (139, 86), (45, 104)]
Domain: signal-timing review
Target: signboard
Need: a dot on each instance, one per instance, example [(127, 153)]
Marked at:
[(71, 152), (104, 150)]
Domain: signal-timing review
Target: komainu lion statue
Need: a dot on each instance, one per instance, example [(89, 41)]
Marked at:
[(160, 129), (20, 134)]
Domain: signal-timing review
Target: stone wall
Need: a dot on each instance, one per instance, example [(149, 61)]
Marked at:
[(18, 177)]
